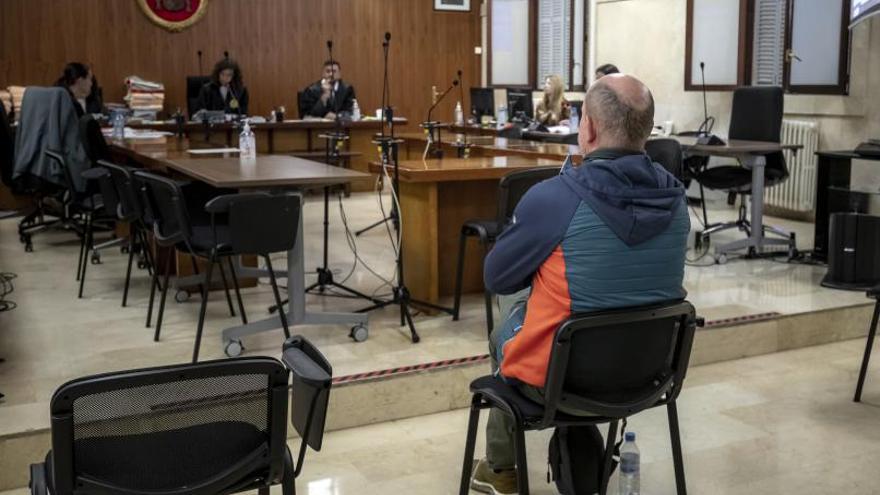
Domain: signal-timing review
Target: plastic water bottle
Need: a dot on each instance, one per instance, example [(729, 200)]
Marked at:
[(501, 118), (118, 126), (355, 111), (573, 120), (247, 145), (629, 466), (459, 114)]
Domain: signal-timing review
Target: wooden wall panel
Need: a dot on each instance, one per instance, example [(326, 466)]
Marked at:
[(280, 45)]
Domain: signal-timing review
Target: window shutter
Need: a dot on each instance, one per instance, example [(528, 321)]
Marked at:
[(769, 43), (554, 39)]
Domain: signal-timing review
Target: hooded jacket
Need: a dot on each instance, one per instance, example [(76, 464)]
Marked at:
[(611, 233)]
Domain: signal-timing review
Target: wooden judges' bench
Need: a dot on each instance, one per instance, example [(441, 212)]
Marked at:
[(436, 197), (288, 137)]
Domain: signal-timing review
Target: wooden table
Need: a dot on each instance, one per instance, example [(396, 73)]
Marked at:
[(436, 198), (270, 172), (288, 137), (414, 146)]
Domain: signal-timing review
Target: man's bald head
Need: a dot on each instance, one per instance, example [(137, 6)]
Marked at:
[(621, 109)]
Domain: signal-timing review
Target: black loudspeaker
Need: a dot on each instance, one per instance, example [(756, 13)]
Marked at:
[(854, 252)]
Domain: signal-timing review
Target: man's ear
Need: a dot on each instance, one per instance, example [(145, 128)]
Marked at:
[(589, 128)]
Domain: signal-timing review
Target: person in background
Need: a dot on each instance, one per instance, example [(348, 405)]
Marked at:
[(610, 233), (552, 109), (225, 91), (328, 97), (604, 70), (77, 78), (95, 99)]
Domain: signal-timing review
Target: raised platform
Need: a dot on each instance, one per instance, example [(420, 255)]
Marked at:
[(753, 307)]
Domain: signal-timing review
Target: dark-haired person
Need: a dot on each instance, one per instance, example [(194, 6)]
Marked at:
[(328, 97), (77, 78), (605, 69), (226, 90), (95, 99)]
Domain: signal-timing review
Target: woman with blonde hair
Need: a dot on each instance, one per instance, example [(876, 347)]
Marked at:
[(552, 109)]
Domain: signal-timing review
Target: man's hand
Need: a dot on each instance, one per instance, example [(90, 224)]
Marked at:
[(326, 87), (330, 115)]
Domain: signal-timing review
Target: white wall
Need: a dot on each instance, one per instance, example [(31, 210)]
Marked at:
[(646, 38)]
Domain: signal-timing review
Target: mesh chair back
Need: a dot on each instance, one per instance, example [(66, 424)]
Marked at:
[(193, 87), (263, 223), (165, 206), (198, 428), (7, 149), (616, 363), (310, 389), (130, 207), (514, 186), (666, 152), (757, 116)]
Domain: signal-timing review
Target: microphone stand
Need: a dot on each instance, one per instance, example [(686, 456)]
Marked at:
[(704, 133), (431, 126), (389, 147)]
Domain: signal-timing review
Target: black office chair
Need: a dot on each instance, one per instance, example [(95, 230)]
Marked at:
[(756, 116), (7, 150), (131, 211), (312, 377), (874, 293), (193, 87), (86, 213), (666, 152), (611, 364), (255, 223), (300, 106), (166, 208), (213, 427), (511, 189)]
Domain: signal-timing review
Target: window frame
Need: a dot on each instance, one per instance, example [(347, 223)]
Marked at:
[(842, 86), (533, 48), (744, 57)]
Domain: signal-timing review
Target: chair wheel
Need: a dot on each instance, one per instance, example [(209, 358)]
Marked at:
[(233, 348), (29, 247), (96, 259), (181, 296), (721, 259), (359, 333), (123, 249)]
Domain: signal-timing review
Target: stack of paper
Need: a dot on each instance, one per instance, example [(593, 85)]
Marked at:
[(145, 98)]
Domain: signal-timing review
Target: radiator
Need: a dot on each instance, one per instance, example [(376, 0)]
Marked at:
[(798, 192)]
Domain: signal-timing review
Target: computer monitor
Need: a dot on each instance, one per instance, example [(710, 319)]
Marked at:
[(519, 103), (482, 102)]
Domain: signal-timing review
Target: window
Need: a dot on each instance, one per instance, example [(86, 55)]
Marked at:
[(801, 45), (561, 41), (531, 39)]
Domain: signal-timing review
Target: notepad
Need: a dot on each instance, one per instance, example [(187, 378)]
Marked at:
[(212, 151)]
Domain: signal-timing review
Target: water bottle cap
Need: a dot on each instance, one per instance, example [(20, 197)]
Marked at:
[(630, 436)]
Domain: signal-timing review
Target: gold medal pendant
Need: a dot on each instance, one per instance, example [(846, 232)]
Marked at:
[(233, 104)]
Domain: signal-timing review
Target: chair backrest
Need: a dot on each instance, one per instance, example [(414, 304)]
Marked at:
[(66, 175), (310, 392), (127, 190), (666, 152), (164, 204), (619, 362), (193, 87), (183, 429), (263, 223), (756, 115), (92, 139), (300, 107), (7, 149), (514, 186)]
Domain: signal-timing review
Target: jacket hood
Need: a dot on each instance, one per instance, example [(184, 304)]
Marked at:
[(634, 196)]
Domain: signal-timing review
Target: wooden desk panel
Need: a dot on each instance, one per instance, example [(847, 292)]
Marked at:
[(414, 145)]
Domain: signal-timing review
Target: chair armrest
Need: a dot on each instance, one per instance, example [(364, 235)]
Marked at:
[(220, 204), (94, 173), (700, 321)]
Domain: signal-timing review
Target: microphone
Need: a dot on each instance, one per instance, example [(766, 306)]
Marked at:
[(704, 133), (329, 44), (226, 54), (443, 95), (199, 55)]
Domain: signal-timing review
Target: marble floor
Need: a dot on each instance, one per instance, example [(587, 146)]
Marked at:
[(52, 336), (779, 424)]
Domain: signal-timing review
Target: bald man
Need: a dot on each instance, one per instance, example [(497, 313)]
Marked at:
[(610, 233)]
